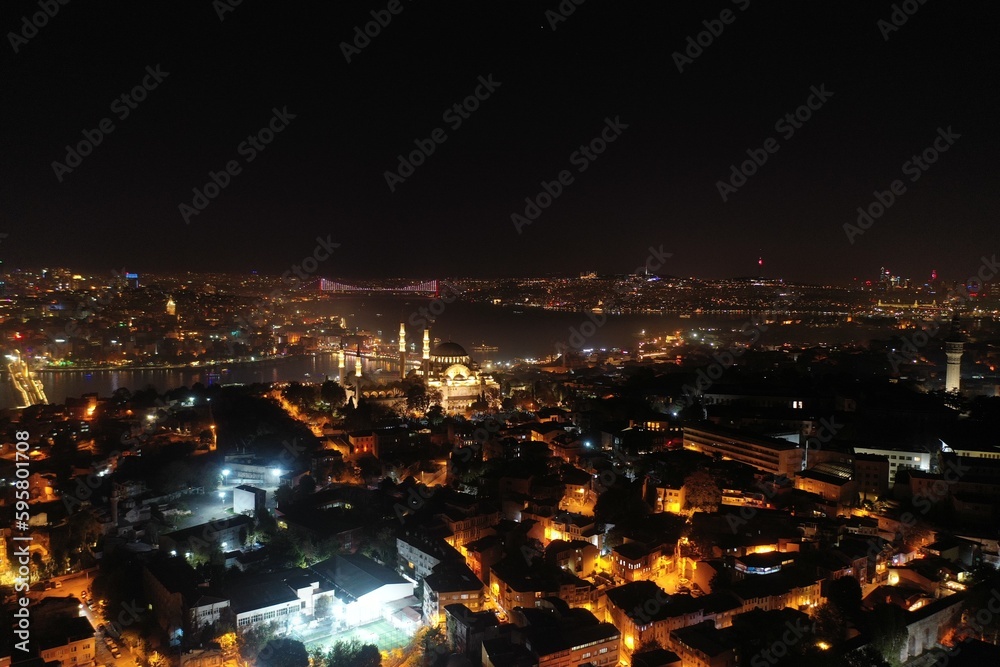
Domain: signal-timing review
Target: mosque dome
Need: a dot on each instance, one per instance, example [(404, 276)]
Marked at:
[(449, 350)]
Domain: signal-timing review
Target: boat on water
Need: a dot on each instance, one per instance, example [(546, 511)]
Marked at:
[(483, 347)]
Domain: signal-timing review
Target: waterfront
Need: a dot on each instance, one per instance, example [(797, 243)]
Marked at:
[(516, 332)]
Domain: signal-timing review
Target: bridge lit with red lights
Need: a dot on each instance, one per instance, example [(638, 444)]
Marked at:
[(430, 288)]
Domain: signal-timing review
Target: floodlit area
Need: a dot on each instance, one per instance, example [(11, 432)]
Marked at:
[(381, 633)]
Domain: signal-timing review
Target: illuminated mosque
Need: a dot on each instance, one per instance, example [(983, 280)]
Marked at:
[(449, 369)]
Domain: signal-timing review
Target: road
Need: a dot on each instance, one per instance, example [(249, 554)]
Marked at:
[(75, 586), (28, 386)]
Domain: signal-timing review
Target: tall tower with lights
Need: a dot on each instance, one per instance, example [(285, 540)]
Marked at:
[(402, 351), (427, 352), (954, 346)]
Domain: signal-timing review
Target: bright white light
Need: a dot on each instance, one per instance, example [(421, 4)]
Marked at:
[(276, 472), (222, 494), (225, 473), (173, 552)]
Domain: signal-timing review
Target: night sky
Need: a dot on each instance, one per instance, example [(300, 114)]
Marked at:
[(656, 184)]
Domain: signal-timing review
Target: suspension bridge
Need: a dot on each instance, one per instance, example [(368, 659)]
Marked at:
[(429, 288)]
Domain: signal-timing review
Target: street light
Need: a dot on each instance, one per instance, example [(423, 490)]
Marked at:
[(225, 472), (276, 472)]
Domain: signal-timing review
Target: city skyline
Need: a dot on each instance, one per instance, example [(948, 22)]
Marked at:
[(302, 278)]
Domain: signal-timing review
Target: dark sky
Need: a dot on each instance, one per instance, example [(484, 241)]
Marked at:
[(655, 185)]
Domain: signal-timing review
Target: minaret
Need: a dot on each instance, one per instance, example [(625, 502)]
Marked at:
[(402, 351), (427, 353), (357, 363), (954, 345), (341, 367)]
